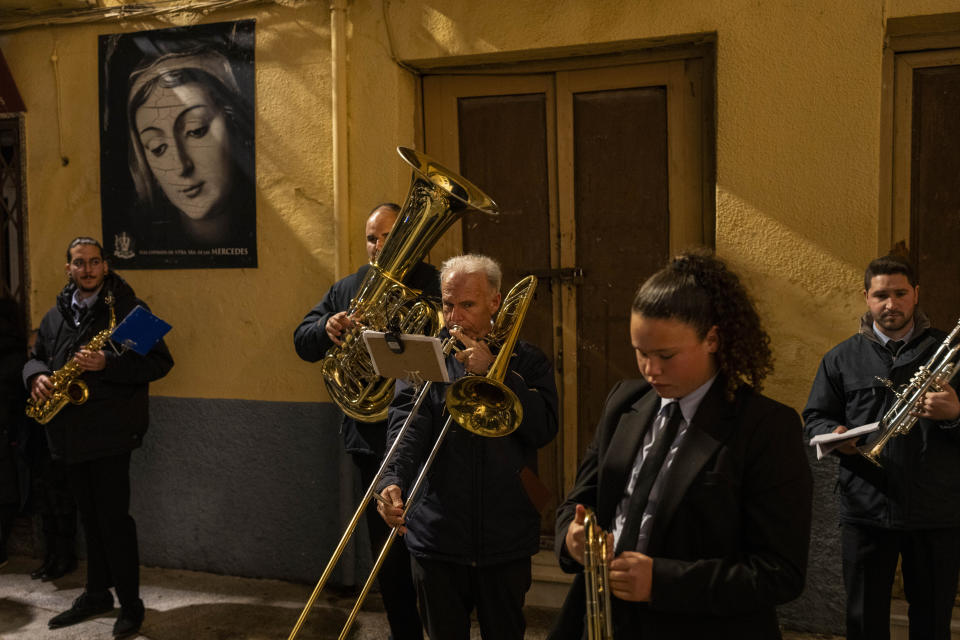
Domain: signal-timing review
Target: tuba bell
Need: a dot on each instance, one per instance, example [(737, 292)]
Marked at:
[(437, 198)]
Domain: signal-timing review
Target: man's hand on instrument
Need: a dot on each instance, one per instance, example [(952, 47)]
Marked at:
[(475, 356), (390, 508), (631, 576), (40, 388), (940, 405), (848, 448), (336, 325), (91, 360)]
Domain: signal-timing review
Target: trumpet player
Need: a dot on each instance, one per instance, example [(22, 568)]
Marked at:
[(319, 330), (909, 506), (701, 481), (95, 439), (473, 527)]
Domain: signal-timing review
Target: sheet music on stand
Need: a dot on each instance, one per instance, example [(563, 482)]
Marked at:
[(421, 359)]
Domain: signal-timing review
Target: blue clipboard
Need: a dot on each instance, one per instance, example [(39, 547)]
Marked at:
[(140, 330)]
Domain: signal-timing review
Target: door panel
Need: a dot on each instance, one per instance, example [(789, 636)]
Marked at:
[(935, 198), (599, 174), (622, 230)]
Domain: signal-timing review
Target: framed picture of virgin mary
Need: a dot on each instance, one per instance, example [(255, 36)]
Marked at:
[(177, 172)]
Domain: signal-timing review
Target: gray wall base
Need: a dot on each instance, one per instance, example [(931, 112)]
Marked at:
[(245, 488)]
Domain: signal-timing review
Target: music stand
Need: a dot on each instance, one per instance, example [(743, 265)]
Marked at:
[(420, 360)]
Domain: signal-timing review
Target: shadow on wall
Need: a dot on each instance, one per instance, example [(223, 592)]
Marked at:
[(243, 488)]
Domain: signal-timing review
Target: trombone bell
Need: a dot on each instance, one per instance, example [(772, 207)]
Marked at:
[(485, 407)]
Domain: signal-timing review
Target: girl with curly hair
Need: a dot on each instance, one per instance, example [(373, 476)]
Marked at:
[(701, 482)]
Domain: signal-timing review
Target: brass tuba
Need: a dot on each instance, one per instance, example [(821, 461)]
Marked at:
[(932, 376), (67, 385), (437, 198)]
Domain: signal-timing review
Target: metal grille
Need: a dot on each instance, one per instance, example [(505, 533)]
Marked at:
[(12, 272)]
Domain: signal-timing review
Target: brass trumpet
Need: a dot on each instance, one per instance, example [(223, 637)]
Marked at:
[(596, 575), (932, 376), (481, 404)]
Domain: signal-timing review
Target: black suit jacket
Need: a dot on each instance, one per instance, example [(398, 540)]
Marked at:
[(730, 536)]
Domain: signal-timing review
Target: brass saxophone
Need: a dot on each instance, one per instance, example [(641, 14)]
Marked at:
[(67, 385)]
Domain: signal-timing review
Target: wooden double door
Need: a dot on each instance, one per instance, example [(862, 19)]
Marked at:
[(600, 174)]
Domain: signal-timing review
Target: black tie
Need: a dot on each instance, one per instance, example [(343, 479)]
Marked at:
[(894, 346), (648, 474)]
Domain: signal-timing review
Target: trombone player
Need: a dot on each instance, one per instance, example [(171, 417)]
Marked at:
[(473, 527), (909, 506)]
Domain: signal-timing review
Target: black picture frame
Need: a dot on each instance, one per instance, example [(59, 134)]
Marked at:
[(177, 153)]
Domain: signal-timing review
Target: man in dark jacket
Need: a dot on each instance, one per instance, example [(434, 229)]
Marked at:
[(909, 507), (366, 441), (473, 527), (94, 439)]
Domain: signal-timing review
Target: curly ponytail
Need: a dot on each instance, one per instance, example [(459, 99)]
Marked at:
[(697, 288)]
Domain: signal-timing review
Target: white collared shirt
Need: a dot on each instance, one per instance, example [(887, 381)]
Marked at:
[(884, 338), (688, 408), (78, 304)]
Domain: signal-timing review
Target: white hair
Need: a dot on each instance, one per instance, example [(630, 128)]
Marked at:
[(473, 263)]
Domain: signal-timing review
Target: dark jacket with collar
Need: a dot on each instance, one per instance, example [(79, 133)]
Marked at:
[(918, 485), (473, 508), (311, 341), (730, 535), (115, 417)]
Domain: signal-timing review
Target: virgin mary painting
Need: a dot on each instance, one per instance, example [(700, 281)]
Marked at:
[(184, 194)]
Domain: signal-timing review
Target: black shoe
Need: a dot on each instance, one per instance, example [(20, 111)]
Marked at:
[(86, 606), (58, 568), (129, 620), (37, 573)]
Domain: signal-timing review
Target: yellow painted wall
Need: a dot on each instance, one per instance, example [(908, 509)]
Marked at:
[(798, 148), (798, 131), (232, 335)]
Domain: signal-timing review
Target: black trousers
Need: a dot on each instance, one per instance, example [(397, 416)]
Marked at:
[(54, 501), (449, 592), (102, 490), (930, 567), (396, 583)]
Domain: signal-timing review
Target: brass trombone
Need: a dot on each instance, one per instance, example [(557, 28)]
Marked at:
[(480, 404)]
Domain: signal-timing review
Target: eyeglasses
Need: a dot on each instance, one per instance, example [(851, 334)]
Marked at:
[(80, 263)]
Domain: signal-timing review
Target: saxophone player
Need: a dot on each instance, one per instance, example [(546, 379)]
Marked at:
[(95, 439), (909, 507)]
